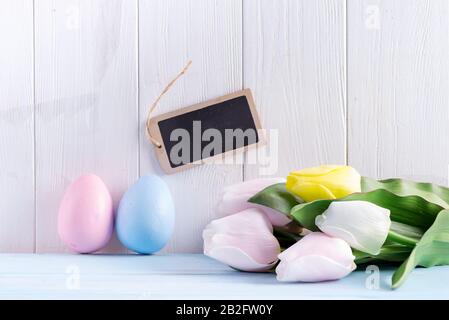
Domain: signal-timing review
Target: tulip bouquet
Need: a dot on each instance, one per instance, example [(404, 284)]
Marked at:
[(320, 223)]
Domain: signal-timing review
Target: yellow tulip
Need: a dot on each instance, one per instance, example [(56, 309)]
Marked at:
[(323, 182)]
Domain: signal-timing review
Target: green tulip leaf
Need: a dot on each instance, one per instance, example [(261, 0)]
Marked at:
[(388, 253), (428, 191), (276, 197), (432, 250), (413, 211)]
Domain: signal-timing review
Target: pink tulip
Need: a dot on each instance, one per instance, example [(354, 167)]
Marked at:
[(243, 241), (235, 199), (316, 257)]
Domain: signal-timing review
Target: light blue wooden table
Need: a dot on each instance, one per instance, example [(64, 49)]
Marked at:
[(188, 277)]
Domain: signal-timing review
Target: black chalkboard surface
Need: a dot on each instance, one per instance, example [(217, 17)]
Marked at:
[(206, 130)]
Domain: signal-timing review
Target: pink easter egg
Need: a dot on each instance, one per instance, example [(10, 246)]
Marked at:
[(86, 217)]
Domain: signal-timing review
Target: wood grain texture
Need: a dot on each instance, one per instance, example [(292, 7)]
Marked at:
[(16, 127), (399, 88), (86, 94), (170, 33), (295, 64)]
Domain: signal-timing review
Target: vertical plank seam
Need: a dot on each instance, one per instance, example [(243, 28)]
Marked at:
[(139, 140), (346, 73), (242, 41), (34, 127)]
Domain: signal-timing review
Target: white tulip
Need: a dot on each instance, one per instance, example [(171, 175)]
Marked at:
[(316, 257), (243, 241), (362, 224)]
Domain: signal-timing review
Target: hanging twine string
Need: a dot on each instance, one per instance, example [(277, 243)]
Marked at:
[(153, 106)]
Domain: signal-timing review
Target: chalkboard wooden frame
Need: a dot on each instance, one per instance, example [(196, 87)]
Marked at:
[(161, 152)]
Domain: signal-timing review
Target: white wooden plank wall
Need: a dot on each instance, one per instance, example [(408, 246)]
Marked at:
[(210, 34), (398, 89), (357, 81), (86, 101), (295, 65), (17, 218)]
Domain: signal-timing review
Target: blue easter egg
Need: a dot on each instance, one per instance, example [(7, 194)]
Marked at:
[(146, 215)]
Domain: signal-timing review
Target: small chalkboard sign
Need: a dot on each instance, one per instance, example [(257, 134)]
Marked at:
[(205, 131)]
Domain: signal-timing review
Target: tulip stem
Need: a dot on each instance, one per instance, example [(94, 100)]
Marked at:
[(285, 233), (402, 239)]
